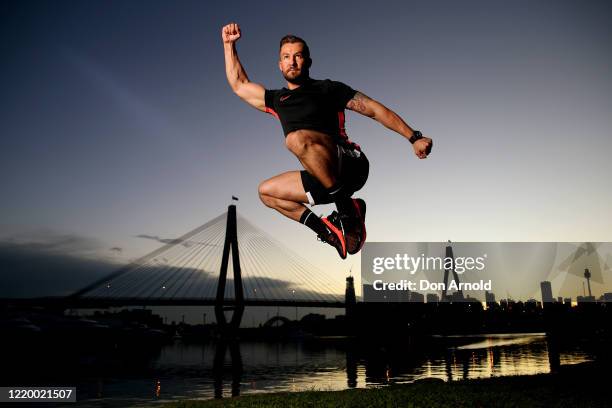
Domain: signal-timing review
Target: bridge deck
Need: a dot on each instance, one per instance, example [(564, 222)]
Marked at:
[(92, 303)]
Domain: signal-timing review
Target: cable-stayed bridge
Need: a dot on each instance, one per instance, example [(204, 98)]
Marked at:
[(227, 262)]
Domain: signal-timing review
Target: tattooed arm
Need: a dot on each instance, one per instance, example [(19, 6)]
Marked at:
[(379, 112)]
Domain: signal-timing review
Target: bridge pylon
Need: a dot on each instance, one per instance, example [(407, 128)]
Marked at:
[(231, 243), (450, 255)]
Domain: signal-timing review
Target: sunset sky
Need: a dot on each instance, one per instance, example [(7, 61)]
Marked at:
[(119, 128)]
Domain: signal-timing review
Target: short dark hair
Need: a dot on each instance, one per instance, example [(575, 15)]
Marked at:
[(290, 38)]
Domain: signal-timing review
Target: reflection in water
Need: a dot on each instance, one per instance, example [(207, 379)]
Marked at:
[(554, 358), (296, 366), (235, 365), (502, 356), (351, 368), (504, 340), (196, 371)]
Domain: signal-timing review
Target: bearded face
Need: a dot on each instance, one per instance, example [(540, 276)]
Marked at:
[(293, 64)]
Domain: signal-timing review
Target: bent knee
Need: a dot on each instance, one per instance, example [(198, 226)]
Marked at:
[(265, 193), (264, 188)]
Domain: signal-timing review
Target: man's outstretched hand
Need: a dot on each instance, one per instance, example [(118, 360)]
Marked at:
[(230, 33), (422, 147)]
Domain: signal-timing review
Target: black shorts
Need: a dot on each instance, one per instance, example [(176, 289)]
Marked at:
[(354, 168)]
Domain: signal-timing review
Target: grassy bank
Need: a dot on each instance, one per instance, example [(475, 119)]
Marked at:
[(574, 386)]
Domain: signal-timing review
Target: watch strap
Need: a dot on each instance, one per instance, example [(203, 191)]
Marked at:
[(416, 135)]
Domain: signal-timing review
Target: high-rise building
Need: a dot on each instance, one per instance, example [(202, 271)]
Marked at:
[(489, 297), (371, 295), (547, 296)]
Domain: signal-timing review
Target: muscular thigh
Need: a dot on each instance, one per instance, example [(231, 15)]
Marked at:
[(285, 186)]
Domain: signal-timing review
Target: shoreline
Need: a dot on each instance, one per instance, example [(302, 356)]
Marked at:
[(579, 385)]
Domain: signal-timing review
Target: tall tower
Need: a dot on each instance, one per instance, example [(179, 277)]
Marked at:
[(231, 242), (546, 288), (449, 254), (349, 297), (587, 275)]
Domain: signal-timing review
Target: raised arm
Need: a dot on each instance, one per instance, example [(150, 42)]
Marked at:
[(250, 92), (379, 112)]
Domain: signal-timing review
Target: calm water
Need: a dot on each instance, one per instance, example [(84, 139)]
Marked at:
[(196, 371)]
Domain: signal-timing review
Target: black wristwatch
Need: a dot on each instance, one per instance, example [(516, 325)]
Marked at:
[(416, 135)]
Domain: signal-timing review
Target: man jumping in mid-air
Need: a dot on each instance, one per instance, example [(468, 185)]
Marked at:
[(311, 113)]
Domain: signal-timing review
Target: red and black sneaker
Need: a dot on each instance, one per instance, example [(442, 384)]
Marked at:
[(335, 234), (354, 227)]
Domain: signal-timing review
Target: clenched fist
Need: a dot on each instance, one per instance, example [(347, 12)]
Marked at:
[(230, 33), (422, 147)]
